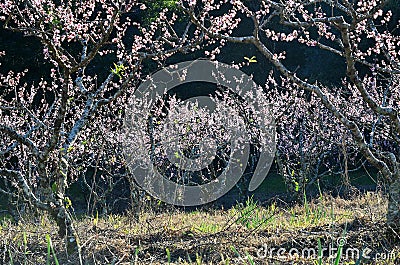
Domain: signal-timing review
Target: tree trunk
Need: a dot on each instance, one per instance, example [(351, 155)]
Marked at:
[(66, 229), (393, 213)]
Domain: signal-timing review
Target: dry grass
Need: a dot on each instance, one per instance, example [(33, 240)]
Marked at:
[(244, 234)]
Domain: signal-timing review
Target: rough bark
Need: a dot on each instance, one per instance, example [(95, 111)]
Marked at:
[(393, 213), (66, 229)]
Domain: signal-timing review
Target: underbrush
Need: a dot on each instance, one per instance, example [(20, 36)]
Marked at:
[(324, 231)]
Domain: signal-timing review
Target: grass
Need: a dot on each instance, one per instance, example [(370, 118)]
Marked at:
[(247, 233)]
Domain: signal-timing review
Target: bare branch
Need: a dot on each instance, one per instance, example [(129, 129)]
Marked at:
[(20, 138)]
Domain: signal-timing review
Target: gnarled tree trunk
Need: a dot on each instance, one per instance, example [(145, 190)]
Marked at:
[(393, 213), (67, 230)]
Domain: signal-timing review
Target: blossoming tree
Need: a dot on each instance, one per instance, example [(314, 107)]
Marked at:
[(363, 33), (45, 141)]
